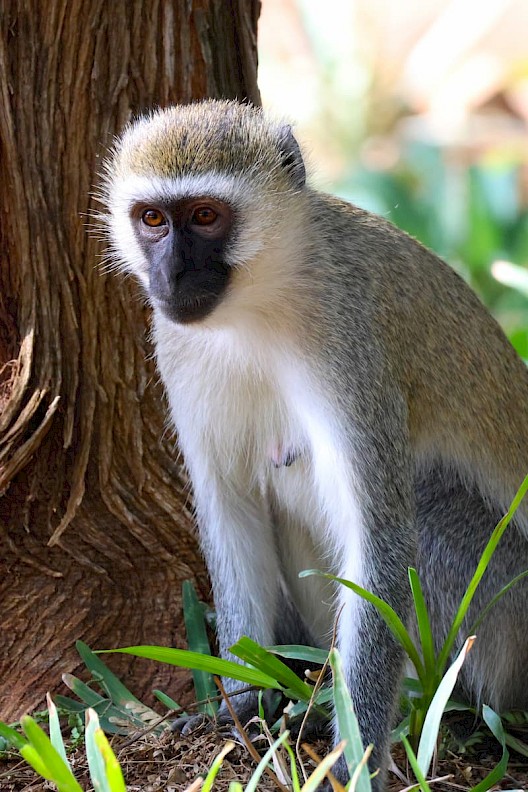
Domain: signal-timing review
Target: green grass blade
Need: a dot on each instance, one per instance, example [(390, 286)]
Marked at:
[(26, 750), (87, 695), (424, 626), (474, 627), (255, 778), (295, 785), (55, 730), (495, 725), (436, 710), (323, 697), (114, 774), (33, 758), (348, 725), (293, 652), (215, 767), (401, 730), (389, 616), (115, 718), (479, 572), (422, 782), (168, 701), (113, 686), (68, 704), (352, 787), (254, 654), (93, 754), (60, 773), (12, 736), (235, 786), (516, 744), (412, 687), (193, 616), (215, 665)]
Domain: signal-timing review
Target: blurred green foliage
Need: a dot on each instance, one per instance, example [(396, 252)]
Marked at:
[(471, 216)]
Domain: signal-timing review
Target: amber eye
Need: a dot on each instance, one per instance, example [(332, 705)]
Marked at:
[(153, 218), (204, 216)]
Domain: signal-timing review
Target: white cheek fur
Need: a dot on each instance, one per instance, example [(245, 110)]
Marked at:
[(260, 280), (124, 194)]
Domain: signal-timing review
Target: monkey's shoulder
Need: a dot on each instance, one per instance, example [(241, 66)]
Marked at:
[(369, 229), (381, 261)]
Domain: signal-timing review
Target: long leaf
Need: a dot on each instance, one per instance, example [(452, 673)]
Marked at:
[(114, 774), (55, 730), (68, 704), (215, 767), (215, 665), (60, 772), (310, 654), (117, 692), (168, 701), (424, 626), (436, 709), (255, 778), (504, 590), (25, 748), (87, 694), (115, 718), (251, 652), (422, 782), (193, 616), (348, 725), (479, 572), (388, 614), (316, 778), (495, 725), (93, 754), (33, 758), (293, 768), (12, 736)]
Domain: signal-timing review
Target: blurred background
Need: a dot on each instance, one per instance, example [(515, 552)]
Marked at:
[(417, 110)]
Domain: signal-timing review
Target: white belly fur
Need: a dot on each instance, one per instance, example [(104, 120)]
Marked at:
[(233, 401)]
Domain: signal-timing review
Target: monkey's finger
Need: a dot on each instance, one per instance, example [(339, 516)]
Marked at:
[(191, 723)]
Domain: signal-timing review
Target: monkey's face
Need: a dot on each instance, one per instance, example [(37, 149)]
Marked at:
[(184, 243), (196, 194)]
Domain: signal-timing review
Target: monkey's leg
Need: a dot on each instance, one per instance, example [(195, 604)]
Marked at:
[(237, 540), (372, 659)]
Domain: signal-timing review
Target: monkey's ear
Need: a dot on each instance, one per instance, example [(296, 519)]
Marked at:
[(292, 160)]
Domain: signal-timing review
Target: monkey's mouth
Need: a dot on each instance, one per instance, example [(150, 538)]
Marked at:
[(186, 310)]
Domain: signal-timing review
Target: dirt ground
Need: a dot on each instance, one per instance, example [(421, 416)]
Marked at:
[(172, 763)]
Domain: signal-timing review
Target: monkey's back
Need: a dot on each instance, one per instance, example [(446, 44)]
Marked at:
[(415, 322)]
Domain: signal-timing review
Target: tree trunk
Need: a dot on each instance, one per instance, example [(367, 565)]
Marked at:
[(97, 531)]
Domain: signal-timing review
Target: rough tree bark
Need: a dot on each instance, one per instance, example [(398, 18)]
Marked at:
[(96, 531)]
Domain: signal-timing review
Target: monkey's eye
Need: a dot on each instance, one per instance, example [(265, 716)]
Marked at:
[(203, 216), (153, 218)]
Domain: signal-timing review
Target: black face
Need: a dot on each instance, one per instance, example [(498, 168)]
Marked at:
[(184, 243)]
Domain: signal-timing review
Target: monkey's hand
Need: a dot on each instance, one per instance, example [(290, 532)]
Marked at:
[(245, 706), (187, 724)]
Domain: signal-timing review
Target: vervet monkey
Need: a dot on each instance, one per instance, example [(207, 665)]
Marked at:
[(342, 399)]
